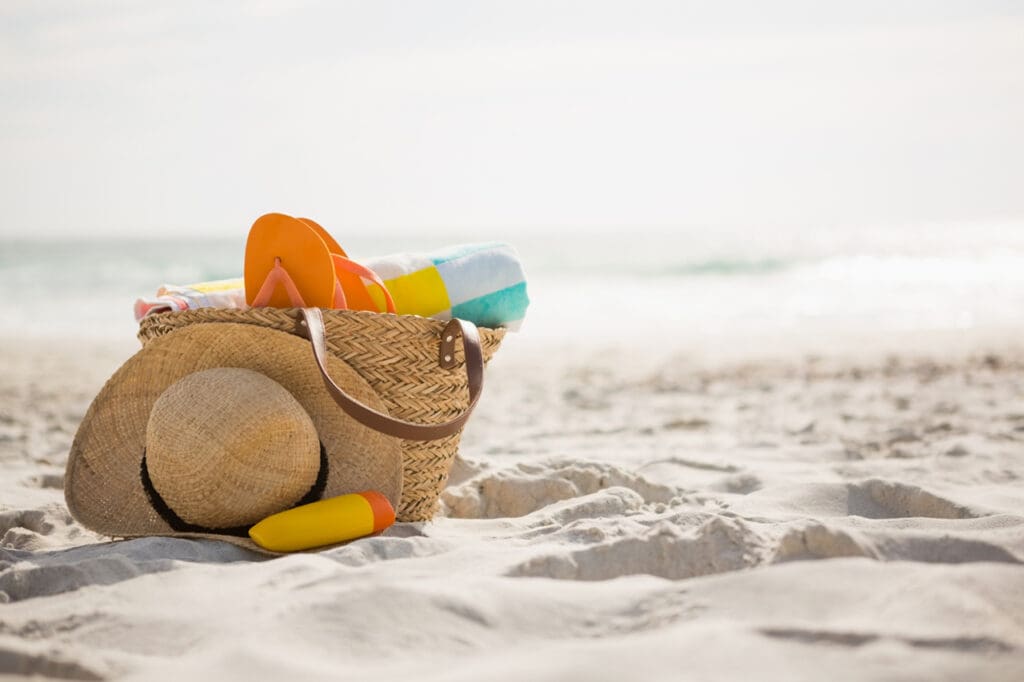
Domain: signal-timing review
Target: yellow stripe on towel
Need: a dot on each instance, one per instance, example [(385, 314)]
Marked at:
[(419, 293)]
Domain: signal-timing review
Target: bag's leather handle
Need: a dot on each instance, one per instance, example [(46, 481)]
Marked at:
[(312, 327)]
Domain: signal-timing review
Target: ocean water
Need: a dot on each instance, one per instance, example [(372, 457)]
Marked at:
[(697, 286)]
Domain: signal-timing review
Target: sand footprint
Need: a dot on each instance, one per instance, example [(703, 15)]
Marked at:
[(525, 488), (24, 528), (818, 541), (32, 520), (666, 548), (881, 499), (811, 540), (871, 498)]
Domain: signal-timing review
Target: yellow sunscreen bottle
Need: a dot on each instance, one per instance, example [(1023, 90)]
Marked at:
[(325, 522)]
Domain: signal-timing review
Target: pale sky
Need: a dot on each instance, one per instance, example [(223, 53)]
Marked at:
[(142, 118)]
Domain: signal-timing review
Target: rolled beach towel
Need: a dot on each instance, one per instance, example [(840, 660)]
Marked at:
[(223, 293), (483, 283)]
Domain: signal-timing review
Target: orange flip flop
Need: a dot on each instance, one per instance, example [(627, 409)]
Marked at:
[(287, 264), (352, 291)]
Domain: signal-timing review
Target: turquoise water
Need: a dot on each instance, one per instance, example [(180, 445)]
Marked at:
[(730, 282)]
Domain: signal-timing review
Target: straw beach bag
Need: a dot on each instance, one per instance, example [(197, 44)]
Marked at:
[(428, 373)]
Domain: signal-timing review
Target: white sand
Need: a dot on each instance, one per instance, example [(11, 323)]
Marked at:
[(669, 518)]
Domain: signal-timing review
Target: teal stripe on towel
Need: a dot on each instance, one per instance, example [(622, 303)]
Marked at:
[(496, 309)]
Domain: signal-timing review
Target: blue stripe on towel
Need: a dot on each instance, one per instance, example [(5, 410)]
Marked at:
[(496, 309), (477, 274)]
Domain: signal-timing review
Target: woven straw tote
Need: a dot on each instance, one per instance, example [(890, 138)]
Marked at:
[(427, 380)]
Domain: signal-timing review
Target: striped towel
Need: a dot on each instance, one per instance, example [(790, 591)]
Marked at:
[(223, 293), (483, 283)]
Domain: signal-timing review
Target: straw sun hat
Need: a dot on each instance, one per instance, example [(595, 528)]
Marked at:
[(213, 427)]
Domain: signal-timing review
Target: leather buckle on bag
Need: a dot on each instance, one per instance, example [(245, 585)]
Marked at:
[(301, 329), (446, 356)]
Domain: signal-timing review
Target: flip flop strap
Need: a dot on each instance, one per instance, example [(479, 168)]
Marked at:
[(312, 327), (340, 302), (278, 276), (355, 268)]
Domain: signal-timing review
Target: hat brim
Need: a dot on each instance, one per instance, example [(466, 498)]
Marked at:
[(103, 486)]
